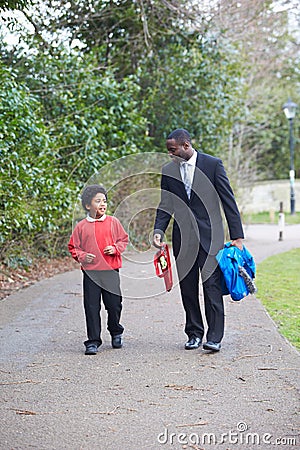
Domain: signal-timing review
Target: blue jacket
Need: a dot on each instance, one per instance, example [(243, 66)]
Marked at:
[(238, 269)]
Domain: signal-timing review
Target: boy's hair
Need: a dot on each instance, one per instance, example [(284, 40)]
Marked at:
[(90, 192)]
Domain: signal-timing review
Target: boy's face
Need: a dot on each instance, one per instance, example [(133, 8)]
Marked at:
[(98, 206)]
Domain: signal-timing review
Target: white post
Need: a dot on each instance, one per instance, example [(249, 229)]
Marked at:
[(281, 221)]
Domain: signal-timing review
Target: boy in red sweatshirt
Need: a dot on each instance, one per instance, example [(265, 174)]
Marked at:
[(97, 243)]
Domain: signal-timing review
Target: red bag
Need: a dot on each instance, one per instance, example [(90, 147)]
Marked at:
[(163, 266)]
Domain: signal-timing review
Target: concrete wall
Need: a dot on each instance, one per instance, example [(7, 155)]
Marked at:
[(267, 195)]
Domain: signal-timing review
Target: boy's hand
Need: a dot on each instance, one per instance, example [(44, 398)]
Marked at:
[(89, 258), (109, 250)]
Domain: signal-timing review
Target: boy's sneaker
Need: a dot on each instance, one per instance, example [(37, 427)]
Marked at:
[(91, 349), (117, 341)]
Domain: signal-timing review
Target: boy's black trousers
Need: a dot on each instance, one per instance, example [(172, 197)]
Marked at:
[(103, 284)]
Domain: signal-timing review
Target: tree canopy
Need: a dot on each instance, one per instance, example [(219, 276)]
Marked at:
[(87, 82), (13, 4)]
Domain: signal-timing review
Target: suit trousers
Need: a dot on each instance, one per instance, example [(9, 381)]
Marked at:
[(188, 273), (103, 284)]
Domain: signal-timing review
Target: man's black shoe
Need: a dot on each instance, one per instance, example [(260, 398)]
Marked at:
[(91, 349), (212, 346), (117, 341), (192, 343)]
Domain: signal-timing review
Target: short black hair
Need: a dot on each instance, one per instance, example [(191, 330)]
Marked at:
[(180, 135), (90, 192)]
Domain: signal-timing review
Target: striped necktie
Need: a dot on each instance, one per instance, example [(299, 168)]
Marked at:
[(187, 178)]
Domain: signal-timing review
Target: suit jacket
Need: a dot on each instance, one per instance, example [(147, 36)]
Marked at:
[(198, 220)]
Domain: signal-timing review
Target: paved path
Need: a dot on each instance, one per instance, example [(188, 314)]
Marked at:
[(151, 394)]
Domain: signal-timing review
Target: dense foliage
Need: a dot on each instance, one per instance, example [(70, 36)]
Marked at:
[(13, 4), (90, 82), (51, 145), (31, 180)]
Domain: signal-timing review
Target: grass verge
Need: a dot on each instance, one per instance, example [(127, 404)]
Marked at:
[(278, 283), (271, 217)]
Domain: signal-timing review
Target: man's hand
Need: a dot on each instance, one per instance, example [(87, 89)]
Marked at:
[(89, 258), (157, 240), (237, 243)]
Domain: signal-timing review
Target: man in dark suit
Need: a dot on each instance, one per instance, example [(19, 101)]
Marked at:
[(193, 185)]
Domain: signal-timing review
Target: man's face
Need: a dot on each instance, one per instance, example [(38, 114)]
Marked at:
[(178, 151)]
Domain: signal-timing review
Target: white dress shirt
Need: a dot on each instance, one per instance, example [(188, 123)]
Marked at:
[(190, 164), (92, 219)]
